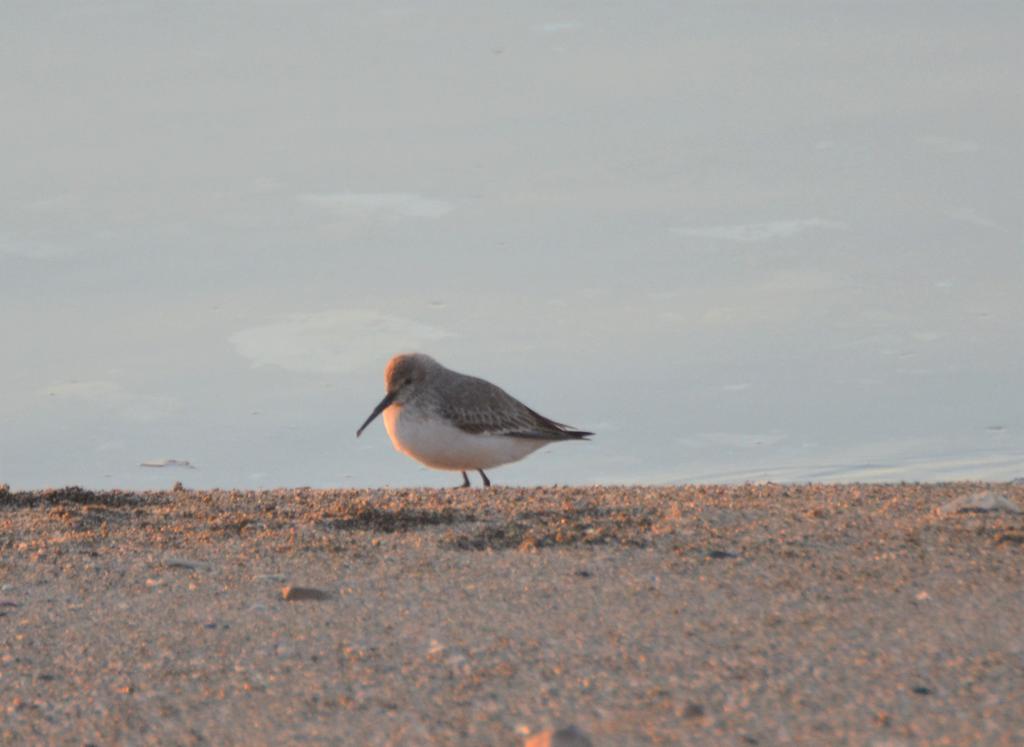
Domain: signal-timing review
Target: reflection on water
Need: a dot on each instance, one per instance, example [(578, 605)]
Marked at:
[(748, 242), (758, 231), (335, 341)]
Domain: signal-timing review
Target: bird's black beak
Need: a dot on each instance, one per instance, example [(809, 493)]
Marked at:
[(377, 411)]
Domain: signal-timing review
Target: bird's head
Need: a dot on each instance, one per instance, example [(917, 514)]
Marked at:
[(404, 374)]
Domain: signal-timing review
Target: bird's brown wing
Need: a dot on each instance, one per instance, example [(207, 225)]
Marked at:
[(479, 407)]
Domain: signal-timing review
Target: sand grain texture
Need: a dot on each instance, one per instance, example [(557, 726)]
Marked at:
[(774, 614)]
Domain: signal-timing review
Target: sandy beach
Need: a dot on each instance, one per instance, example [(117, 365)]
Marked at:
[(705, 615)]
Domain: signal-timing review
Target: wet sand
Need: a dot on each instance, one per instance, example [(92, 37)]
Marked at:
[(741, 615)]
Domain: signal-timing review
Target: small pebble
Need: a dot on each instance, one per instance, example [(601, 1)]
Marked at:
[(303, 594), (721, 554), (191, 565), (567, 736), (693, 710)]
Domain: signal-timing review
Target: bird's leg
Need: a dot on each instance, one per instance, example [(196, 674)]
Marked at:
[(465, 481), (487, 483)]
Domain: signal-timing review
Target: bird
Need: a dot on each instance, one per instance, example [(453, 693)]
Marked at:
[(451, 421)]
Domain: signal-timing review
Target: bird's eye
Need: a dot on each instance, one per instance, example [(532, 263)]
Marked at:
[(408, 380)]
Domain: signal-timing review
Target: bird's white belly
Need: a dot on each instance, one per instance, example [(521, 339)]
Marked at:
[(440, 445)]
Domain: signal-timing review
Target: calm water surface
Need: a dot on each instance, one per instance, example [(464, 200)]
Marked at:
[(740, 241)]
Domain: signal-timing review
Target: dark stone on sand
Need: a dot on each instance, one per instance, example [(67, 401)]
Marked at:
[(722, 554), (190, 565), (304, 594), (567, 736), (693, 710)]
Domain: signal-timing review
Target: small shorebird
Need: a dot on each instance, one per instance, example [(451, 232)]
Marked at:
[(448, 420)]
